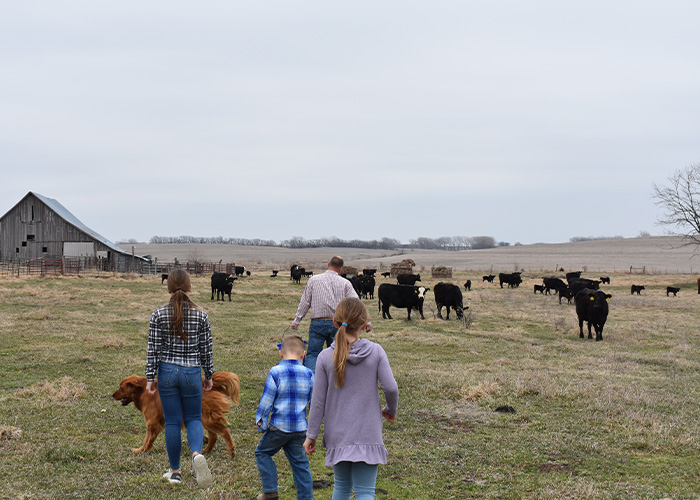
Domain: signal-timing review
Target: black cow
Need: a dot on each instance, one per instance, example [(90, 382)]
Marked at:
[(369, 272), (274, 273), (450, 296), (592, 306), (673, 290), (163, 277), (605, 280), (297, 272), (539, 288), (401, 296), (238, 270), (552, 284), (636, 289), (367, 284), (222, 283), (513, 280), (565, 293), (489, 278), (407, 279), (578, 284), (573, 274), (468, 285), (386, 275)]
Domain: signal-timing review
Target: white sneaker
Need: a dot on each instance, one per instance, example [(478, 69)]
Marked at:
[(173, 477), (201, 470)]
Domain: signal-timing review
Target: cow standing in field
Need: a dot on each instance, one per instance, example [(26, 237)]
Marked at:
[(449, 296), (222, 283), (468, 285), (539, 288), (673, 290), (297, 272), (401, 296), (386, 275), (490, 278), (238, 270), (513, 280), (592, 307), (565, 293), (407, 279), (636, 289), (578, 284), (605, 280), (552, 283)]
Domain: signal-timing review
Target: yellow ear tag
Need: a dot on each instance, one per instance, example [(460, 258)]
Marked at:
[(592, 298), (607, 299)]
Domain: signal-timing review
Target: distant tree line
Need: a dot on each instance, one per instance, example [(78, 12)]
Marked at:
[(578, 239), (214, 240)]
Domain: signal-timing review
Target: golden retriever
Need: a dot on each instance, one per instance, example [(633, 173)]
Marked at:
[(215, 405)]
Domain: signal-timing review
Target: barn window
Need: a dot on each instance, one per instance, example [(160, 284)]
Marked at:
[(24, 243), (44, 249), (16, 250), (30, 237), (32, 212)]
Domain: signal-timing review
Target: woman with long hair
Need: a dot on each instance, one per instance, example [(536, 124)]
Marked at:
[(179, 348), (346, 399)]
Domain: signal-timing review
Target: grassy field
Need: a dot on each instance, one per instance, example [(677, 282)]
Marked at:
[(593, 420)]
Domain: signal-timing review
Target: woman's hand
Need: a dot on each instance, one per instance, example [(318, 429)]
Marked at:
[(151, 388), (387, 416), (310, 446)]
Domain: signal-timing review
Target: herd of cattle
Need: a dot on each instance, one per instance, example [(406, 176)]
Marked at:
[(591, 302)]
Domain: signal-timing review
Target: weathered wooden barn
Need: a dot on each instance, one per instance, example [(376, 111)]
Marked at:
[(40, 227)]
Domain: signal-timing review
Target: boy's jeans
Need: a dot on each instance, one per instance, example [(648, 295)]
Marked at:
[(293, 445)]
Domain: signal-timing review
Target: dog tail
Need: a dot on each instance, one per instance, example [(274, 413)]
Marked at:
[(229, 384)]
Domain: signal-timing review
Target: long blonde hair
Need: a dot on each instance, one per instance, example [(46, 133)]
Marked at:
[(178, 286), (350, 315)]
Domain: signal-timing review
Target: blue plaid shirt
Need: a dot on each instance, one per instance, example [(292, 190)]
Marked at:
[(286, 395)]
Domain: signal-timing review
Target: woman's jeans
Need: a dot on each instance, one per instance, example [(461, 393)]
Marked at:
[(357, 476), (293, 445), (180, 389)]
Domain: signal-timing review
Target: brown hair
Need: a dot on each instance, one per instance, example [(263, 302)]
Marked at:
[(178, 286), (350, 315), (336, 262), (293, 344)]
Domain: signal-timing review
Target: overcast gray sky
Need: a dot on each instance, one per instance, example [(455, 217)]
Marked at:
[(526, 121)]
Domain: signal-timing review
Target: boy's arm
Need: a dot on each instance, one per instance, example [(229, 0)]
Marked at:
[(266, 401)]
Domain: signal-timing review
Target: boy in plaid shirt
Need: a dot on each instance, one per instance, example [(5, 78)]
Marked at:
[(285, 398)]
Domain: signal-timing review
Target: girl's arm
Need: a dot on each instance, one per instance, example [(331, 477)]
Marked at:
[(389, 387)]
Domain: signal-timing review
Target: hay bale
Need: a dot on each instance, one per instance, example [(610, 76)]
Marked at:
[(442, 272), (348, 270), (408, 262)]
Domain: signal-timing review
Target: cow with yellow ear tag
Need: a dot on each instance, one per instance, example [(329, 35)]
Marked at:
[(592, 307)]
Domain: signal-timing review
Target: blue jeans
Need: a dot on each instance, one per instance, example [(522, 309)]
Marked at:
[(293, 444), (357, 476), (320, 332), (180, 389)]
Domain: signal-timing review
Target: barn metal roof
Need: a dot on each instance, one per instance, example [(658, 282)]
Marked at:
[(66, 215)]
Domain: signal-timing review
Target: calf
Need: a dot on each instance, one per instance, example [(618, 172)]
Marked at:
[(297, 272), (468, 285), (274, 273), (673, 290), (636, 289), (407, 279), (450, 296), (387, 275), (367, 284), (539, 288), (592, 307), (565, 293), (605, 280), (490, 278), (222, 283), (401, 296), (163, 278), (238, 270)]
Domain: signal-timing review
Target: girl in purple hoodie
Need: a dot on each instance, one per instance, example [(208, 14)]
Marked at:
[(346, 398)]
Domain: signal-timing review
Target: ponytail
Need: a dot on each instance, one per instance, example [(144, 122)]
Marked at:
[(178, 283), (351, 315)]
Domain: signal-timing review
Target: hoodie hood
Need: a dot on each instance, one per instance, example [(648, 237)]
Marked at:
[(360, 350)]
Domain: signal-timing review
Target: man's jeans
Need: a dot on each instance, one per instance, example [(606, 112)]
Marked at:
[(320, 332), (293, 445)]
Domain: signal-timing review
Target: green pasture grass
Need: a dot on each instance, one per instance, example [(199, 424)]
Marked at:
[(612, 419)]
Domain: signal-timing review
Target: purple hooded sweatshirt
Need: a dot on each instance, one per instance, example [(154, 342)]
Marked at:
[(353, 413)]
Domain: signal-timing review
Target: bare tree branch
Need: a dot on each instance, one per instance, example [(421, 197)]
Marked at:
[(680, 202)]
